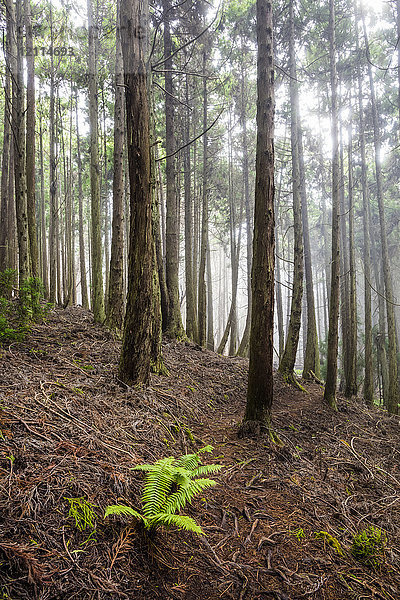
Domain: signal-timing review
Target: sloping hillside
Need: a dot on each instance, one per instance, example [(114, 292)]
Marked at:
[(279, 525)]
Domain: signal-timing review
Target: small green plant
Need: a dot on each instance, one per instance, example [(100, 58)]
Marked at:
[(369, 546), (331, 541), (82, 511), (17, 314), (299, 534), (170, 483)]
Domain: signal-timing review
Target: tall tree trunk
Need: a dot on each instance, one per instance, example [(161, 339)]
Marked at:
[(82, 260), (142, 323), (191, 317), (174, 327), (351, 380), (5, 200), (30, 142), (115, 304), (97, 272), (393, 391), (333, 332), (288, 359), (43, 239), (260, 383), (18, 127), (244, 344), (202, 295), (210, 303), (53, 176)]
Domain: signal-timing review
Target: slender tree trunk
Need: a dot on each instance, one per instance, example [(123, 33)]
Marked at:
[(191, 317), (210, 303), (333, 332), (260, 383), (30, 142), (82, 260), (351, 381), (115, 304), (287, 362), (97, 273), (393, 391), (53, 176), (202, 295), (5, 200), (174, 327), (244, 344), (18, 127)]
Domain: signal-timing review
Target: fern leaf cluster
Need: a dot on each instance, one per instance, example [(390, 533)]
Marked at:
[(170, 484)]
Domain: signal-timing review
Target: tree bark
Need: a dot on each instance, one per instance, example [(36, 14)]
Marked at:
[(260, 383), (97, 273), (140, 324), (115, 304), (333, 331)]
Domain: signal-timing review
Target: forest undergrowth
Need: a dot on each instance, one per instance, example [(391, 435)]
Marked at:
[(297, 521)]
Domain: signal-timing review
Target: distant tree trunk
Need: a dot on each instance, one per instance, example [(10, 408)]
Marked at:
[(97, 273), (202, 294), (278, 288), (344, 273), (333, 333), (368, 359), (288, 359), (53, 176), (311, 364), (393, 391), (18, 128), (43, 243), (210, 303), (244, 344), (158, 228), (30, 142), (191, 317), (351, 380), (142, 323), (5, 200), (12, 217), (174, 327), (115, 304), (82, 261), (260, 383)]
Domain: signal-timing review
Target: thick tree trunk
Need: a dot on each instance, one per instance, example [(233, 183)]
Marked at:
[(333, 332), (142, 323), (260, 383)]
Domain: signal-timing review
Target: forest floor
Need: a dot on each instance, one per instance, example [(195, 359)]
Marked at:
[(69, 429)]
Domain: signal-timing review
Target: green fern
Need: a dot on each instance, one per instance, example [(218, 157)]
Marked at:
[(169, 485)]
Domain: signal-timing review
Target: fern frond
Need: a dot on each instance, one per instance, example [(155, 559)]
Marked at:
[(192, 461), (157, 487), (180, 521), (206, 469), (178, 500), (121, 509)]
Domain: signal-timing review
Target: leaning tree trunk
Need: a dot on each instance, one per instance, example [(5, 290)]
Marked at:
[(260, 383), (333, 331)]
